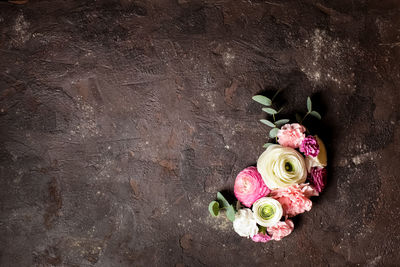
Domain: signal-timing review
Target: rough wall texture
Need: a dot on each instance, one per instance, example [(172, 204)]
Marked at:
[(120, 120)]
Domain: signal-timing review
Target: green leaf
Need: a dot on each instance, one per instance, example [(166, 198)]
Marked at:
[(267, 122), (309, 104), (273, 132), (262, 229), (281, 122), (222, 200), (298, 118), (269, 110), (315, 114), (230, 213), (262, 100), (213, 208), (267, 145)]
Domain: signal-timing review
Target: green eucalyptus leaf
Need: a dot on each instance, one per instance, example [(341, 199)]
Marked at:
[(267, 122), (213, 208), (269, 110), (273, 132), (309, 104), (222, 200), (267, 145), (315, 114), (281, 122), (262, 100), (230, 213), (298, 118)]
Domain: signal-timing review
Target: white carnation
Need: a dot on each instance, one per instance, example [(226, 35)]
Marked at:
[(245, 223), (281, 167)]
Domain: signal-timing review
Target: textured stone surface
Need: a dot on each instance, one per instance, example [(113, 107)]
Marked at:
[(120, 120)]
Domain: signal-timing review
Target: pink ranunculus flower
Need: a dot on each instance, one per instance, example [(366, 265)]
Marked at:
[(260, 237), (291, 135), (295, 198), (249, 186), (310, 146), (317, 177), (281, 229)]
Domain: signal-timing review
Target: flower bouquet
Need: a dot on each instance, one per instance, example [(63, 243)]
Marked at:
[(288, 173)]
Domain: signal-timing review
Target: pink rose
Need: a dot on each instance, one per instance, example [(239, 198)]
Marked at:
[(280, 230), (317, 177), (310, 146), (294, 199), (249, 186), (291, 135), (260, 237)]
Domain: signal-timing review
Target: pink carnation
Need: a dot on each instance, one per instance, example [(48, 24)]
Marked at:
[(308, 190), (260, 237), (249, 186), (310, 146), (294, 199), (317, 177), (280, 230), (291, 135)]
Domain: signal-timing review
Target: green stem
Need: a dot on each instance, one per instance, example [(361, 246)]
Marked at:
[(304, 117), (277, 92), (276, 138)]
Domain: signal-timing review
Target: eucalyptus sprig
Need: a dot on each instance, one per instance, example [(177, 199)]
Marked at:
[(222, 204), (309, 112), (269, 109)]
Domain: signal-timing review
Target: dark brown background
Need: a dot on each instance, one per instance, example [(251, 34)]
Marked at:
[(120, 120)]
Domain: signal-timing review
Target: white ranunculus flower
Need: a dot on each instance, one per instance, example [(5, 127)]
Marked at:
[(281, 167), (245, 223), (267, 211)]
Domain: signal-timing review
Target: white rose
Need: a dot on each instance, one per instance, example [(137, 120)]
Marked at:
[(281, 167), (267, 211), (245, 224)]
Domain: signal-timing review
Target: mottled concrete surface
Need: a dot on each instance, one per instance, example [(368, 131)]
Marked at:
[(120, 120)]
